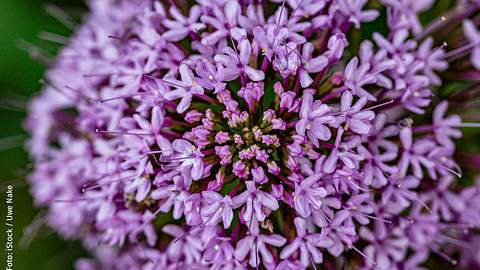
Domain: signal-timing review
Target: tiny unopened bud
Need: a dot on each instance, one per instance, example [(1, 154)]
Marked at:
[(193, 116)]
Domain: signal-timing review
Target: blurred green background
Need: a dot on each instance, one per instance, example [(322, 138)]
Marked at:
[(19, 76)]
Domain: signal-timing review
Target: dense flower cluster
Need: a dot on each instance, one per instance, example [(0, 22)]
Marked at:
[(244, 134)]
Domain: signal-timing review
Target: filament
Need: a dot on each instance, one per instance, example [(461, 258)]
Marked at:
[(121, 133), (60, 15)]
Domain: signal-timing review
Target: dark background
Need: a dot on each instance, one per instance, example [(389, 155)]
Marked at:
[(19, 76)]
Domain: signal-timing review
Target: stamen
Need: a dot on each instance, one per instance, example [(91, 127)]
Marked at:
[(109, 74), (311, 260), (45, 81), (457, 225), (256, 253), (434, 26), (13, 105), (145, 223), (61, 16), (121, 133), (32, 230), (377, 218), (15, 183), (189, 231), (168, 82), (281, 13), (443, 255), (459, 52), (368, 108), (151, 153), (35, 52), (49, 83), (88, 99), (250, 222), (364, 256), (11, 142), (76, 200), (242, 76), (470, 125), (176, 159), (119, 97), (458, 173), (349, 178), (422, 203), (325, 216), (292, 15), (379, 105), (201, 225), (443, 46), (53, 37), (314, 204), (87, 187), (455, 241)]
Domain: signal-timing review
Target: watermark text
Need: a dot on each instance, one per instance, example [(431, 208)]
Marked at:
[(9, 228)]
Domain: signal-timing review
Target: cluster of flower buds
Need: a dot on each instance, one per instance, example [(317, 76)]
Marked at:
[(246, 134)]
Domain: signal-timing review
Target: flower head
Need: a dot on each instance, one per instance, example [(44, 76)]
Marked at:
[(247, 134)]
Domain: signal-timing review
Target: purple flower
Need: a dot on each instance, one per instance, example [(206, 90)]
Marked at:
[(180, 27), (401, 192), (409, 11), (252, 93), (255, 246), (444, 202), (237, 64), (313, 117), (185, 89), (269, 38), (445, 127), (433, 59), (196, 138), (172, 194), (354, 117), (217, 208), (189, 247), (221, 19), (386, 248), (353, 10), (287, 60), (255, 200), (307, 195), (306, 243), (310, 65), (377, 169), (358, 76), (220, 253), (211, 76), (188, 157), (141, 186), (414, 154), (342, 151), (416, 97), (474, 36), (292, 23)]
